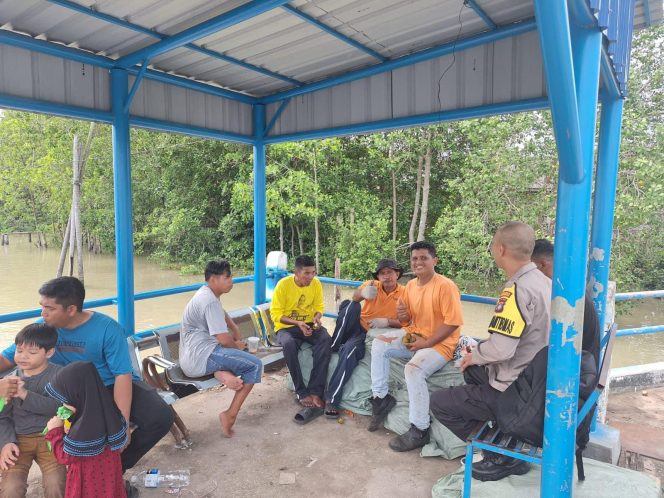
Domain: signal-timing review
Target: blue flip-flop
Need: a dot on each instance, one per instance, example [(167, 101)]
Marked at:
[(307, 414)]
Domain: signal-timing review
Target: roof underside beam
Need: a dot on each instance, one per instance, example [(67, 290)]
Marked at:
[(74, 54), (81, 9), (418, 120), (407, 60), (333, 32), (218, 23), (480, 12)]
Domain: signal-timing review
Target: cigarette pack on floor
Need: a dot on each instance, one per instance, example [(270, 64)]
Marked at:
[(152, 478)]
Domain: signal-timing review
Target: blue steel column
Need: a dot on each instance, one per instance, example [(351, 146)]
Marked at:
[(124, 246), (580, 48), (606, 178), (260, 232)]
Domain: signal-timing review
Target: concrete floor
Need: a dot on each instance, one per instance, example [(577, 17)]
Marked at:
[(324, 458)]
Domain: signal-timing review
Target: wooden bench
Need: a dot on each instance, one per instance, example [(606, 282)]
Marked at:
[(488, 436), (162, 371)]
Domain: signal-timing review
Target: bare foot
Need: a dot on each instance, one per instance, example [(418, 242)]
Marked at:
[(318, 402), (308, 401), (227, 423), (229, 380)]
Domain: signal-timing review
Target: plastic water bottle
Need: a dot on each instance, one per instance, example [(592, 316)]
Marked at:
[(154, 478)]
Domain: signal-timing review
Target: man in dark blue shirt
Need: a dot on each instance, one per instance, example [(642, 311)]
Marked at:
[(92, 336)]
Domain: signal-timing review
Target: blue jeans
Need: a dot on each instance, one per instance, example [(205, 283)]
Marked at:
[(423, 363), (240, 363)]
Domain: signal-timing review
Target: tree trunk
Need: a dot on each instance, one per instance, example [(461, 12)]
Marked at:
[(63, 251), (337, 290), (292, 241), (316, 229), (79, 152), (425, 194), (394, 207), (416, 207), (281, 233), (299, 239)]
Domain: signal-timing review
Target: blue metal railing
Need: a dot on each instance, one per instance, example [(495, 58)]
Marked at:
[(109, 301), (471, 298)]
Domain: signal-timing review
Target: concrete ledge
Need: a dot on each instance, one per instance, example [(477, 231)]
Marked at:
[(604, 444), (636, 377)]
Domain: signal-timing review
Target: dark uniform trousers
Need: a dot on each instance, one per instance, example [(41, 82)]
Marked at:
[(348, 340), (460, 408)]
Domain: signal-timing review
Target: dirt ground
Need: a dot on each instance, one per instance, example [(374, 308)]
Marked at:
[(324, 458)]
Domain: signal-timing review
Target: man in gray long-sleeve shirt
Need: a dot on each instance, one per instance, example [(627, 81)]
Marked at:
[(518, 330), (26, 414)]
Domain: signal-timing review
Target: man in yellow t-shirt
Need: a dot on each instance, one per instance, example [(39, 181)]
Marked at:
[(373, 305), (296, 310), (431, 308)]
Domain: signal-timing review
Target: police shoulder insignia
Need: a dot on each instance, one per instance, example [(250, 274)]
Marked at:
[(507, 318)]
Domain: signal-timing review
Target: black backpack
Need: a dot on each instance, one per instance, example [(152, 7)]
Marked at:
[(520, 409)]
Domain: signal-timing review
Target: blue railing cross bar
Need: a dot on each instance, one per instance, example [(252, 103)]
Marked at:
[(340, 36), (634, 296), (218, 23), (81, 9)]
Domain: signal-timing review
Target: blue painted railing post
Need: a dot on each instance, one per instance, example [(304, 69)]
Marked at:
[(124, 245), (604, 201), (571, 57), (260, 232)]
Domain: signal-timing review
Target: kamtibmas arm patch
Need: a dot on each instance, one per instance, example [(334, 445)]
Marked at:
[(507, 318)]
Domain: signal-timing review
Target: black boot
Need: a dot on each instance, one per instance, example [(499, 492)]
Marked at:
[(380, 408), (413, 439), (494, 467)]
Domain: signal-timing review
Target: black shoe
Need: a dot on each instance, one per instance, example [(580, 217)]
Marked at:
[(494, 467), (411, 440), (131, 490), (380, 408)]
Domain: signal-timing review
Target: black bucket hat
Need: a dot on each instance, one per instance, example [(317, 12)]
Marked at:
[(388, 263)]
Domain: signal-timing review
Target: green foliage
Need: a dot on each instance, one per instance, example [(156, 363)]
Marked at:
[(193, 198)]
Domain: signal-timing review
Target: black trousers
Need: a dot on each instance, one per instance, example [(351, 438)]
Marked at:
[(153, 418), (348, 339), (291, 339), (460, 408)]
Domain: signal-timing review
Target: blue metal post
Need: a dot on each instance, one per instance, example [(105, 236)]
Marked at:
[(260, 232), (124, 245), (604, 202), (581, 49)]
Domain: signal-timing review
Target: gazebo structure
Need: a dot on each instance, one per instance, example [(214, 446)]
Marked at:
[(267, 71)]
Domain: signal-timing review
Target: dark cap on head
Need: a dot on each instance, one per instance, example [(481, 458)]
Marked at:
[(388, 263)]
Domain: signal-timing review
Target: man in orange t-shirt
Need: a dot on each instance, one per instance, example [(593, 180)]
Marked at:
[(379, 310), (431, 308)]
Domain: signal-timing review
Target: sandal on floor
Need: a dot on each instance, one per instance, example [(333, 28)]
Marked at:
[(306, 415), (331, 411)]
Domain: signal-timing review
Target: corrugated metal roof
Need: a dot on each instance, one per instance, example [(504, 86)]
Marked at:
[(276, 40), (277, 50)]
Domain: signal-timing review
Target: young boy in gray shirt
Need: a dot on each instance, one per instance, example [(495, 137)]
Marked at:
[(25, 415)]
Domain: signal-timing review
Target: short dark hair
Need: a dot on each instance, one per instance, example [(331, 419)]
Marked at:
[(66, 291), (543, 249), (304, 260), (37, 334), (218, 267), (424, 244)]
